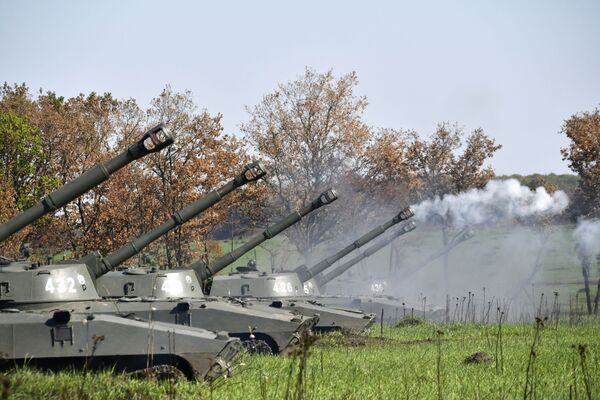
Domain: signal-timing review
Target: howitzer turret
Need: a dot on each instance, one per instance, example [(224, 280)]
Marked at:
[(187, 282), (153, 140), (323, 279), (305, 273), (100, 265), (291, 292), (205, 271), (278, 330), (369, 296)]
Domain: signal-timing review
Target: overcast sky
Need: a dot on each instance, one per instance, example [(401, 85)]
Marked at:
[(517, 69)]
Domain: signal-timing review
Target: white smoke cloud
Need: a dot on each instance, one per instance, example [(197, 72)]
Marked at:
[(498, 201), (587, 236)]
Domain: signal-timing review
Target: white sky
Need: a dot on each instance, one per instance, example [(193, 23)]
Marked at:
[(516, 68)]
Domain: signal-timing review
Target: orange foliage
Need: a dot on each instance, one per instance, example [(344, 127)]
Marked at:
[(83, 131), (583, 154)]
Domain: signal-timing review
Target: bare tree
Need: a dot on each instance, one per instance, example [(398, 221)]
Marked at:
[(310, 133), (441, 168)]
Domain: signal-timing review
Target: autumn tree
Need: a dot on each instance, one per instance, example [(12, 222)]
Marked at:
[(583, 155), (310, 133), (79, 132), (149, 191), (24, 173), (386, 182), (202, 158), (85, 125), (449, 163), (75, 134), (387, 174)]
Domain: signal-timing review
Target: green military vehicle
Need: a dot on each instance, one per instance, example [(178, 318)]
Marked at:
[(39, 328)]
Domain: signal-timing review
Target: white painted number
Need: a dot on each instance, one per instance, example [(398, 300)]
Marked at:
[(377, 287), (60, 285), (308, 287), (49, 286), (71, 285), (172, 286), (282, 287)]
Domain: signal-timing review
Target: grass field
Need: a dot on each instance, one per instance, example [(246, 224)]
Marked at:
[(425, 361), (498, 258)]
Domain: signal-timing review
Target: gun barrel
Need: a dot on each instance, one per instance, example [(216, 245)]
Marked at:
[(324, 279), (252, 172), (153, 140), (218, 265), (305, 273)]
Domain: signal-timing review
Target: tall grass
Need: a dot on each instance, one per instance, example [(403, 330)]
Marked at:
[(411, 361)]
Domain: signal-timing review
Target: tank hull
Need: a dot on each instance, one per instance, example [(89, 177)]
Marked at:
[(394, 310), (280, 329), (285, 291), (58, 340), (179, 294), (329, 318)]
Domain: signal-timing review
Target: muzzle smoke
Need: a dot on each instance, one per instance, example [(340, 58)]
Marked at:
[(498, 201), (587, 237)]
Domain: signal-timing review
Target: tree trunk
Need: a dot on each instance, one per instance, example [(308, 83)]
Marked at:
[(445, 235), (597, 298), (179, 247), (585, 270)]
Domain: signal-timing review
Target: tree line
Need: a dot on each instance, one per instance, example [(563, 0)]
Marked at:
[(48, 140), (310, 133)]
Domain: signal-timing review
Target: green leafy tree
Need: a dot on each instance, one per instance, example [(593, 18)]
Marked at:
[(21, 154), (22, 180)]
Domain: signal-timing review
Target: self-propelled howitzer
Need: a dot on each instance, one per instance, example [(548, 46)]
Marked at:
[(181, 289), (305, 273), (322, 279), (287, 290), (372, 296), (59, 329), (207, 271), (153, 140), (385, 306), (293, 283)]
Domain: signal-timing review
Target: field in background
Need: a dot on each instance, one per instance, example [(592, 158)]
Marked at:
[(496, 258), (425, 361)]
